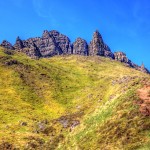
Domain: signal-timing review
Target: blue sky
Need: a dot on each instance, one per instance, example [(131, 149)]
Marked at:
[(124, 24)]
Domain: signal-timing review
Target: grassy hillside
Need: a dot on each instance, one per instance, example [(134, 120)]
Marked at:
[(70, 103)]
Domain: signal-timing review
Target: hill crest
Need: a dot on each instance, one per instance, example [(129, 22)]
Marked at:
[(53, 43)]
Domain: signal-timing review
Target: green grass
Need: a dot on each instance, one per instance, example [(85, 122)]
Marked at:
[(98, 92)]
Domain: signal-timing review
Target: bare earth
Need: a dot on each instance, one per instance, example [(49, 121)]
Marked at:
[(144, 95)]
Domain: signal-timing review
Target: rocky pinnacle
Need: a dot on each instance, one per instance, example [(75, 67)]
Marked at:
[(53, 43)]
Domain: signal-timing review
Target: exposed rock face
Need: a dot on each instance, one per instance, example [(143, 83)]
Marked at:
[(46, 34), (120, 56), (7, 45), (54, 43), (46, 46), (50, 44), (80, 47), (98, 47), (62, 42), (30, 48), (32, 51), (143, 69), (19, 44)]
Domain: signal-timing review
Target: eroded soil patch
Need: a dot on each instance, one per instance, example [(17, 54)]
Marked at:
[(144, 95)]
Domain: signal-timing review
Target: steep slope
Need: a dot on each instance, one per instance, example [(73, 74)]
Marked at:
[(70, 102)]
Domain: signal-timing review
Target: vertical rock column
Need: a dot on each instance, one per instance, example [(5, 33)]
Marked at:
[(98, 47), (80, 47)]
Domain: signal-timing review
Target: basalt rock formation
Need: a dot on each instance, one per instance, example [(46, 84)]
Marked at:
[(62, 42), (7, 45), (120, 56), (98, 47), (80, 47), (18, 44), (54, 43)]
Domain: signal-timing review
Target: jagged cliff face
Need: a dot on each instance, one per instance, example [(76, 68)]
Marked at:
[(54, 43), (7, 45), (62, 42), (18, 44), (80, 47), (120, 56), (98, 47)]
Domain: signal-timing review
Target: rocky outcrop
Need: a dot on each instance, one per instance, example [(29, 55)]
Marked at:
[(62, 42), (50, 44), (19, 44), (32, 51), (46, 34), (80, 47), (143, 69), (98, 47), (47, 46), (120, 56), (53, 43), (7, 45)]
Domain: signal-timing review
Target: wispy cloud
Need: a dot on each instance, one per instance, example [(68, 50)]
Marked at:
[(41, 11), (55, 18), (39, 8), (133, 19)]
